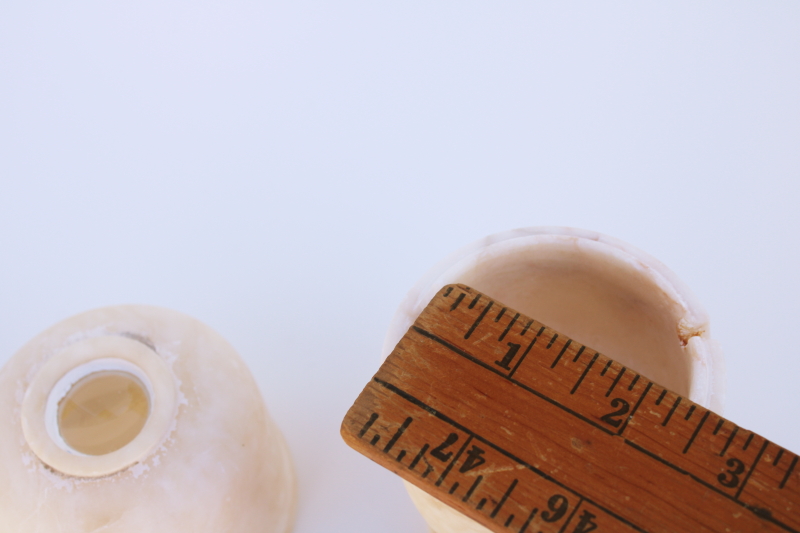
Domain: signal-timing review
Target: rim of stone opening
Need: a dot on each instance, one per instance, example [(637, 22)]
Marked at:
[(73, 378), (55, 380)]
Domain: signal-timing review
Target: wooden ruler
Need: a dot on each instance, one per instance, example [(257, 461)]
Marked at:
[(526, 430)]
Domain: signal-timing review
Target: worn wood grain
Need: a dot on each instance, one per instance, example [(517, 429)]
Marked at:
[(526, 430)]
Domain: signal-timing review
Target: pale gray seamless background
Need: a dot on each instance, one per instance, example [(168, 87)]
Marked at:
[(286, 172)]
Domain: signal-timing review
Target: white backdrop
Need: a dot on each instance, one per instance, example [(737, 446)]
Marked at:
[(286, 172)]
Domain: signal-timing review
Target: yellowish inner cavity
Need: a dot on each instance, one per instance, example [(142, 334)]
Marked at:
[(103, 412)]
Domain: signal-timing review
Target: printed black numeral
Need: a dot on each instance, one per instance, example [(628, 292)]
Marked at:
[(737, 467), (586, 524), (506, 361), (474, 459), (558, 505), (439, 453), (610, 418)]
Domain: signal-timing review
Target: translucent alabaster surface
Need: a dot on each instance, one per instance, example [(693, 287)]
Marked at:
[(222, 466), (602, 292)]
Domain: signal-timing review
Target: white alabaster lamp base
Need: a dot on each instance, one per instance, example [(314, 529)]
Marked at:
[(130, 419), (598, 290)]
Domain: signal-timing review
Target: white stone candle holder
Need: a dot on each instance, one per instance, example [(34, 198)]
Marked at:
[(181, 441), (598, 290)]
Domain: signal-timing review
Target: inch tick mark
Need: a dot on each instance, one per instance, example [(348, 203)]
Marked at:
[(457, 302), (373, 417), (671, 411), (788, 473), (552, 340), (661, 396), (472, 488), (585, 371), (478, 320), (558, 357), (505, 331), (474, 301), (418, 457), (730, 439), (616, 380), (777, 457)]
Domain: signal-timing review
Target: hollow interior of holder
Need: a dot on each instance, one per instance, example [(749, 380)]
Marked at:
[(609, 304), (102, 412)]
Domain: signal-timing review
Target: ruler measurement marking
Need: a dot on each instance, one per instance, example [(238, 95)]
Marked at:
[(605, 368), (453, 488), (472, 488), (696, 430), (671, 411), (500, 314), (418, 457), (558, 357), (504, 498), (616, 380), (400, 456), (689, 413), (509, 520), (525, 353), (411, 399), (730, 439), (481, 504), (397, 435), (505, 331), (528, 521), (748, 441), (525, 329), (552, 340), (477, 361), (661, 397), (457, 302), (753, 509), (719, 425), (578, 355), (474, 301), (479, 319), (580, 502), (777, 457), (375, 440), (788, 473), (368, 425), (633, 383), (635, 408), (752, 467), (585, 371), (448, 291), (453, 461)]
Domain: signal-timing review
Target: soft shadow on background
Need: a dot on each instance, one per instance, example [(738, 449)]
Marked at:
[(286, 173)]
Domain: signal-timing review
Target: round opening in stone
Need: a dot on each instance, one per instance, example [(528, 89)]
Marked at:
[(103, 412)]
